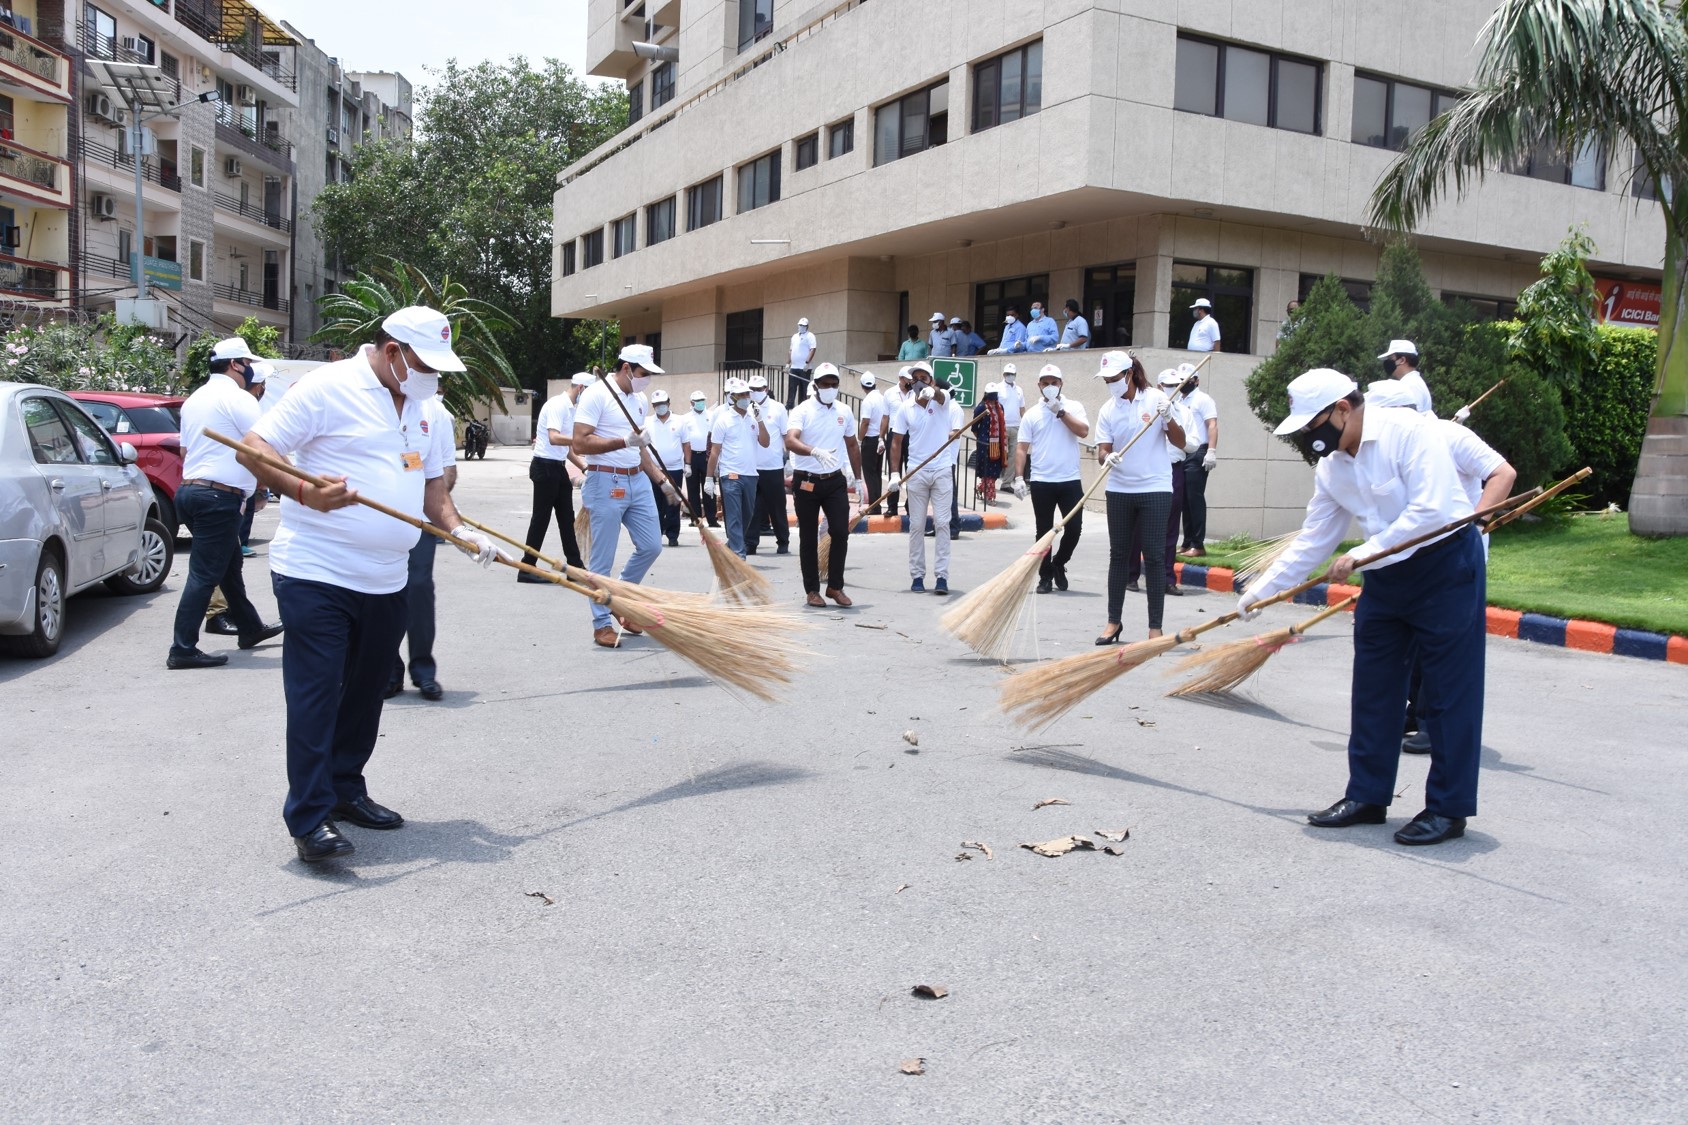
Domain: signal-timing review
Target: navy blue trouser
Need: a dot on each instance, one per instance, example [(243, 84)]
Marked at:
[(213, 518), (770, 510), (419, 628), (334, 668), (1436, 602)]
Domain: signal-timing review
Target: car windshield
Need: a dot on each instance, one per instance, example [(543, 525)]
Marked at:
[(153, 419)]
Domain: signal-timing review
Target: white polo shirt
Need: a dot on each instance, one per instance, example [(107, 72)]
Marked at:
[(340, 419), (1180, 414), (1415, 386), (875, 412), (437, 424), (557, 414), (1013, 401), (775, 418), (1204, 334), (803, 349), (926, 426), (822, 427), (1202, 408), (598, 411), (697, 430), (1054, 448), (1145, 466), (667, 436), (223, 406), (737, 436)]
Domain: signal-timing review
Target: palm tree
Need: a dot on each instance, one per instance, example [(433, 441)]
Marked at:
[(351, 316), (1571, 74)]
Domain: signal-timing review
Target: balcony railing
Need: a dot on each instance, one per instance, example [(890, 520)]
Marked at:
[(254, 298), (238, 29), (162, 173), (39, 170), (35, 281), (31, 55), (233, 126), (256, 212)]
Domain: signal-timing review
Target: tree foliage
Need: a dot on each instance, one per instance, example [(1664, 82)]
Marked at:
[(263, 339), (1557, 335), (1607, 413), (470, 197)]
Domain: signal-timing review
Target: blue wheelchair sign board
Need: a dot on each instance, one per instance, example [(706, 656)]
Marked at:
[(960, 376)]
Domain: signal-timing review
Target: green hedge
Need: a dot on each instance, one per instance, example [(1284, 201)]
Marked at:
[(1606, 416)]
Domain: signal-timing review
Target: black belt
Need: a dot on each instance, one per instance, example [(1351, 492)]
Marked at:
[(215, 484), (804, 474)]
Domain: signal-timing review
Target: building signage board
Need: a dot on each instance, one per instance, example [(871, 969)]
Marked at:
[(1630, 304), (162, 273), (960, 376)]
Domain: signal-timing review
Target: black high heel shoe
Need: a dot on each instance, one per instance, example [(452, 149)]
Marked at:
[(1110, 638)]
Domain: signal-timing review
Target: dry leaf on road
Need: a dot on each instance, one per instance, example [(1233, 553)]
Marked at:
[(986, 848), (1051, 801), (1062, 846), (1116, 835), (963, 855), (913, 1066), (930, 991), (902, 888), (911, 738), (1111, 850), (549, 901)]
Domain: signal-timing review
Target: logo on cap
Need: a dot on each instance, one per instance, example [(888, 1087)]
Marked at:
[(445, 333)]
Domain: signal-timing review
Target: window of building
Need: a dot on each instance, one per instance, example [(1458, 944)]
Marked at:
[(662, 86), (703, 204), (196, 166), (808, 151), (1231, 291), (659, 221), (1485, 308), (1641, 183), (1358, 291), (911, 124), (755, 21), (1008, 87), (744, 338), (1110, 304), (144, 51), (653, 340), (635, 102), (624, 235), (841, 138), (591, 248), (170, 65), (1243, 84), (125, 245), (328, 167), (568, 258), (759, 182), (1388, 112), (196, 260), (992, 298), (1585, 169), (102, 32)]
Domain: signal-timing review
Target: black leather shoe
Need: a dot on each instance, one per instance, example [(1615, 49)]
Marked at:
[(431, 690), (524, 576), (261, 636), (785, 549), (1418, 742), (393, 689), (365, 813), (1430, 828), (197, 659), (1134, 587), (221, 626), (1044, 586), (1172, 590), (1346, 812), (323, 842), (1060, 578)]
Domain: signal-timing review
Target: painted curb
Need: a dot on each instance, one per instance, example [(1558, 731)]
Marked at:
[(1584, 636)]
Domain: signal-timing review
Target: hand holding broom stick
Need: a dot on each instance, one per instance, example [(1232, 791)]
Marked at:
[(1464, 412), (748, 647)]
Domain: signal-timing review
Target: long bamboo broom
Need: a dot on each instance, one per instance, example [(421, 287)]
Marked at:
[(988, 616), (823, 549), (735, 579), (1047, 691), (614, 586), (750, 647)]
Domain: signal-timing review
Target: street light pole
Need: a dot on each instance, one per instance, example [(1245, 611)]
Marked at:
[(136, 133)]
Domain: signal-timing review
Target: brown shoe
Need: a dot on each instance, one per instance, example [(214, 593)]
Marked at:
[(817, 601), (604, 637), (840, 597)]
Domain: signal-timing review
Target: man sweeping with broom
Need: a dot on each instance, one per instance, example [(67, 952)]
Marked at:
[(1392, 472), (826, 467)]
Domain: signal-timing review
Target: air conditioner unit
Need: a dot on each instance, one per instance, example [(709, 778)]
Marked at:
[(99, 105), (11, 237), (245, 95), (231, 167), (120, 118), (105, 207), (131, 44), (333, 135)]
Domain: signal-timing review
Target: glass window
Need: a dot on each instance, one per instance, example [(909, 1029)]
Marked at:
[(703, 204), (1387, 113), (1585, 169), (808, 151), (1371, 112), (1411, 113), (1248, 85), (659, 221), (911, 124), (1483, 308), (756, 19), (744, 338), (196, 167), (624, 234), (108, 416), (841, 138), (1008, 87), (759, 182), (169, 64), (662, 85), (1228, 288), (102, 32), (196, 261), (1358, 291), (1588, 167), (591, 248), (635, 102), (49, 438), (568, 258), (991, 299), (96, 447)]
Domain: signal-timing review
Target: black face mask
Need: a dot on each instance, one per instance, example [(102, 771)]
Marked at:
[(1321, 440), (1388, 366)]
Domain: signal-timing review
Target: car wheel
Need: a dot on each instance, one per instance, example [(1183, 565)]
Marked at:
[(44, 640), (158, 551)]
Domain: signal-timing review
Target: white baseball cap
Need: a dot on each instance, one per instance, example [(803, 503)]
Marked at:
[(427, 333), (1050, 371), (938, 317), (758, 382), (922, 365), (1400, 347), (1390, 392), (640, 355), (232, 348), (1171, 377), (699, 396), (1185, 370), (263, 369), (905, 373), (802, 322), (993, 388), (955, 320), (824, 370), (1310, 393), (583, 378), (736, 386), (867, 379), (1009, 369), (658, 396), (1115, 363), (1202, 303)]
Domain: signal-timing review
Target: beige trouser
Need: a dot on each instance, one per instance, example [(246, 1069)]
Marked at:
[(1013, 448)]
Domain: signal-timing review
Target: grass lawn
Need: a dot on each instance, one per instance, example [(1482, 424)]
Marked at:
[(1588, 566)]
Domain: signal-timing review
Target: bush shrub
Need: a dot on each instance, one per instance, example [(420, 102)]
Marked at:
[(1606, 413)]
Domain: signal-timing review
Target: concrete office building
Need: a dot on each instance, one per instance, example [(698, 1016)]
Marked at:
[(865, 164)]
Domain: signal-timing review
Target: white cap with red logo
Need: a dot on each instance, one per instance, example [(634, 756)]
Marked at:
[(427, 332)]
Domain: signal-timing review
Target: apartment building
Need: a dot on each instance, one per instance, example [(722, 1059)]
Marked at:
[(37, 192)]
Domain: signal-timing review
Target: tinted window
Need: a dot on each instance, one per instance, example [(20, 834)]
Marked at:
[(96, 447), (108, 416), (153, 419), (49, 438)]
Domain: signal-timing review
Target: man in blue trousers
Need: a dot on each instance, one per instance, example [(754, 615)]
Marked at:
[(1393, 472)]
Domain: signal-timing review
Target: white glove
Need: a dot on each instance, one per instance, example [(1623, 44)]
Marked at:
[(1164, 408), (825, 458), (1246, 606), (926, 394), (895, 484), (477, 544), (709, 487), (1063, 347), (1210, 460), (638, 440), (1113, 458), (1020, 489), (997, 351), (669, 494), (861, 493), (1462, 414)]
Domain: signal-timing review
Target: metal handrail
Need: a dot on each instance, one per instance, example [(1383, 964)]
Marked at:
[(250, 211), (33, 55), (21, 163), (152, 171), (249, 297)]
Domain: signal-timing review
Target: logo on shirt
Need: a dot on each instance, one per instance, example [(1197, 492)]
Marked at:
[(1145, 415), (424, 427)]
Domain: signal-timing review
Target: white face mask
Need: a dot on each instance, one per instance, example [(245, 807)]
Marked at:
[(1036, 313), (1009, 379), (758, 396), (740, 402), (662, 410), (640, 382), (1051, 393), (418, 386), (1010, 318), (826, 395), (1122, 388)]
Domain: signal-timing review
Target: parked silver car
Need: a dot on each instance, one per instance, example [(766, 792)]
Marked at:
[(74, 510)]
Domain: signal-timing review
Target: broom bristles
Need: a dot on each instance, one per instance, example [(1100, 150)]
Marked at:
[(583, 532), (752, 648), (735, 579), (619, 588), (1043, 693), (823, 555), (1254, 562), (1227, 666), (987, 617)]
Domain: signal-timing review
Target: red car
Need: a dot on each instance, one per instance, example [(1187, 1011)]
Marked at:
[(153, 425)]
